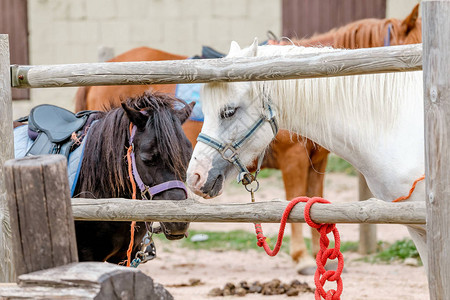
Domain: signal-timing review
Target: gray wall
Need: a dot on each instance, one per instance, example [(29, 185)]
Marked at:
[(71, 31)]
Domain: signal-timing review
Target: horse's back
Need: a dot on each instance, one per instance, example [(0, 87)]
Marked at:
[(146, 54)]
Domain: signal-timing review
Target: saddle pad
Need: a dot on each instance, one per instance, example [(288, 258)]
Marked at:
[(191, 92), (22, 144)]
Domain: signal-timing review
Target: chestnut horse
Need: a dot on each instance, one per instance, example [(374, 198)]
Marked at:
[(369, 33), (302, 164)]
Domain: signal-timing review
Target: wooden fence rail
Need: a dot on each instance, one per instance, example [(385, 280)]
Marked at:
[(337, 63), (370, 211)]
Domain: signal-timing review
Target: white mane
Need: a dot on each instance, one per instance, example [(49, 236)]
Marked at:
[(373, 102)]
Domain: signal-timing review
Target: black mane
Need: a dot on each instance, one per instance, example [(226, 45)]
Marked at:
[(104, 170)]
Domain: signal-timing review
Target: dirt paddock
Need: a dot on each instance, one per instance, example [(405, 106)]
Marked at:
[(175, 267)]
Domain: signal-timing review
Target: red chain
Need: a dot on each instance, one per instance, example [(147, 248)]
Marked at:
[(322, 275)]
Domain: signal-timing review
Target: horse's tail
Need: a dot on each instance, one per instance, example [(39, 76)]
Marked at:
[(81, 98)]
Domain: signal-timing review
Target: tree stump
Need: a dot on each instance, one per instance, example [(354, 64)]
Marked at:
[(86, 280), (41, 219)]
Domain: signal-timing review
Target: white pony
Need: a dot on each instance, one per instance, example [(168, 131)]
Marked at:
[(375, 122)]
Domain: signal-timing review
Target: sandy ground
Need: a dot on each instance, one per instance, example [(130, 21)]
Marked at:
[(175, 266)]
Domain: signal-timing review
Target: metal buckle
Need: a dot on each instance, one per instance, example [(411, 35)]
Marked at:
[(148, 249), (144, 197), (252, 188), (230, 158)]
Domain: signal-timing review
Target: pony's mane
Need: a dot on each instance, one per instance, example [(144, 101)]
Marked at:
[(372, 102), (364, 33), (104, 169)]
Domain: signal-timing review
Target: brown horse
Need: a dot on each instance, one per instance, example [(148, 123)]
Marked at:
[(302, 164), (368, 33)]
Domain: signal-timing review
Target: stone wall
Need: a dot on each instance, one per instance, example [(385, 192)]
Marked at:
[(399, 8)]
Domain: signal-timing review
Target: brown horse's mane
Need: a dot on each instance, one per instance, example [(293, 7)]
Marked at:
[(104, 170), (368, 33)]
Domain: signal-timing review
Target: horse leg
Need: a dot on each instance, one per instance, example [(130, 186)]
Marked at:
[(419, 236), (294, 165)]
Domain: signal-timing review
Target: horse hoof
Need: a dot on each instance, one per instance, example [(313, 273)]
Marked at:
[(306, 266)]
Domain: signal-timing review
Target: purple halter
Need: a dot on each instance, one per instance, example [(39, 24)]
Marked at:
[(154, 190)]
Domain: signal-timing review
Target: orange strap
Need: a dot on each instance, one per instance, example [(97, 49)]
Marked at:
[(133, 185), (411, 190)]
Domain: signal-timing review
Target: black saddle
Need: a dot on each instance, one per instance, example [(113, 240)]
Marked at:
[(52, 127)]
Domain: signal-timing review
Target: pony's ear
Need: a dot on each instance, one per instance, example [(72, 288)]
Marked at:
[(410, 21), (250, 51), (184, 113), (234, 48), (136, 117), (254, 47)]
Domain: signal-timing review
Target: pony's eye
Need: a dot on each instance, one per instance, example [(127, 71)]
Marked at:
[(147, 157), (228, 112)]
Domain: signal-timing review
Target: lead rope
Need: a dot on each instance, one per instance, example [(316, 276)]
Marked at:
[(321, 275), (411, 190), (133, 185)]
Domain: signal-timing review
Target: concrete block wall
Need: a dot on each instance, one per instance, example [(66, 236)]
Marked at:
[(400, 8), (71, 31)]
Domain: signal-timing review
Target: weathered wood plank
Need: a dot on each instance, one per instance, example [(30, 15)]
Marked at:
[(352, 62), (88, 280), (367, 232), (6, 152), (370, 211), (40, 213), (60, 211), (436, 41)]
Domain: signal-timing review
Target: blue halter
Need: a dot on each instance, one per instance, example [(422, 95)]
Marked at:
[(229, 151)]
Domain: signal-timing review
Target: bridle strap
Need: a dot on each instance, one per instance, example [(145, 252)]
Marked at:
[(387, 38), (229, 151), (165, 186)]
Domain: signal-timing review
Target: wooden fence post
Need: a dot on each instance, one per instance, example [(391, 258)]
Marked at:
[(6, 152), (367, 232), (436, 66), (40, 212)]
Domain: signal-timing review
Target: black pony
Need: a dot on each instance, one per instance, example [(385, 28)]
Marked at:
[(162, 153)]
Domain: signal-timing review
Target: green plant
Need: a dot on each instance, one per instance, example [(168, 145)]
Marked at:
[(243, 240), (338, 165), (266, 173), (233, 240), (398, 251)]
